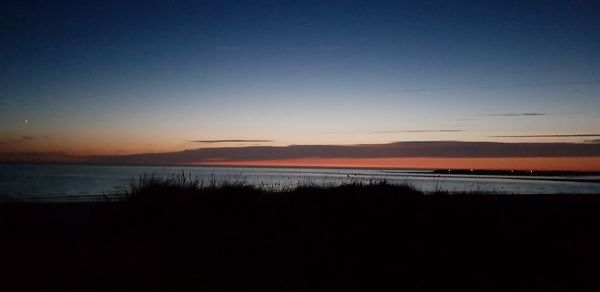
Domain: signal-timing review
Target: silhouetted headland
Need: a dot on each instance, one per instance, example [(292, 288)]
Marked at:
[(517, 172), (176, 235)]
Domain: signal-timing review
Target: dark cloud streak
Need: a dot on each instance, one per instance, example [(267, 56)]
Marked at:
[(232, 141), (430, 149), (16, 140), (416, 131), (517, 115), (546, 136), (42, 157), (504, 86)]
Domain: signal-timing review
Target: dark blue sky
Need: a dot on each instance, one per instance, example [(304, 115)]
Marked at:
[(122, 77)]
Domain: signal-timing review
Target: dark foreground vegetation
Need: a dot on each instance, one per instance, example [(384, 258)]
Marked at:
[(174, 236)]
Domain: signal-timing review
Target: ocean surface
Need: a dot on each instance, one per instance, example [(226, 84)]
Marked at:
[(78, 182)]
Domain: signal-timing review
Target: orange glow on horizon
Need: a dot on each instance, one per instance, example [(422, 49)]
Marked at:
[(526, 163)]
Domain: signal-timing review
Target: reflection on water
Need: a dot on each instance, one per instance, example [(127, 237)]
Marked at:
[(73, 180)]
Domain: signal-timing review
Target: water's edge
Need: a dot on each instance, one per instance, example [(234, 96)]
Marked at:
[(75, 182)]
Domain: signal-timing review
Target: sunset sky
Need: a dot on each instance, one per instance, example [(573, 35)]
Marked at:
[(99, 81)]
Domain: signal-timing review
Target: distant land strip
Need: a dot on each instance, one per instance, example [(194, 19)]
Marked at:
[(516, 172)]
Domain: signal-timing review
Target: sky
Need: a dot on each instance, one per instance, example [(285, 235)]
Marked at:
[(94, 80)]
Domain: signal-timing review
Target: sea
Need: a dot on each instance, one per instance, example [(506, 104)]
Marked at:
[(91, 182)]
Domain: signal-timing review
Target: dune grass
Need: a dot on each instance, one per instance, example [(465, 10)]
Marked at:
[(182, 234), (154, 189)]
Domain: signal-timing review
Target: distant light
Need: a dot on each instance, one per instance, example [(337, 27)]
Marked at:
[(26, 121)]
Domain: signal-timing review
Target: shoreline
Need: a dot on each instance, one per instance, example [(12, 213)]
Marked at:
[(431, 170)]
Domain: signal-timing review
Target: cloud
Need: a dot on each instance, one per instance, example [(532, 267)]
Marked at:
[(547, 136), (41, 157), (414, 149), (528, 114), (416, 131), (15, 140), (504, 86), (428, 149), (232, 141)]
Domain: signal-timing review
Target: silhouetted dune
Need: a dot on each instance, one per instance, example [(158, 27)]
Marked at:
[(176, 236)]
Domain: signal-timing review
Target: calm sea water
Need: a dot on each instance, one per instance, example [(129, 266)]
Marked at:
[(73, 182)]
